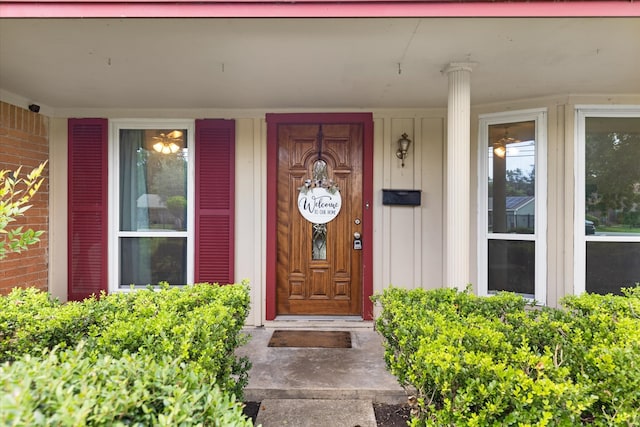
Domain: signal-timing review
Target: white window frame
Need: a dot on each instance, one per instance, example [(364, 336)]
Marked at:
[(582, 112), (539, 116), (114, 197)]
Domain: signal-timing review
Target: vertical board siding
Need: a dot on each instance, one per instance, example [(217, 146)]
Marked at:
[(215, 201), (88, 218)]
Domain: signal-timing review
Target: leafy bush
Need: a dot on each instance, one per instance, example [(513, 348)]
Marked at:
[(199, 325), (494, 361), (69, 388), (15, 193), (31, 321)]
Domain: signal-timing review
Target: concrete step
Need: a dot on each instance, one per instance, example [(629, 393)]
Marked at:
[(356, 373), (368, 395), (314, 413)]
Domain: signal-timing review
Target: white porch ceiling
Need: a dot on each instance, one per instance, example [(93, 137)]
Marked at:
[(311, 63)]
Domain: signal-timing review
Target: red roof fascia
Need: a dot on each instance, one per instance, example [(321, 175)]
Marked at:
[(313, 9)]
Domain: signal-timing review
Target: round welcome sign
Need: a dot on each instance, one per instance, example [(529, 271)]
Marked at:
[(318, 205)]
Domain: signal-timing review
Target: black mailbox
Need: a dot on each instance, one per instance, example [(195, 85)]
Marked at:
[(401, 197)]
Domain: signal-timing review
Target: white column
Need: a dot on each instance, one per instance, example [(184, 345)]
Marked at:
[(458, 165)]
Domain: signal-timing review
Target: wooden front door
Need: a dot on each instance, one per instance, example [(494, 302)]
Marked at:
[(318, 270)]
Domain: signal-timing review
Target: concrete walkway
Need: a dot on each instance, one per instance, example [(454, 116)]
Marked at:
[(319, 386)]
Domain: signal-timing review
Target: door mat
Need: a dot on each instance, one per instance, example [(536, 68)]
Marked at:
[(320, 339)]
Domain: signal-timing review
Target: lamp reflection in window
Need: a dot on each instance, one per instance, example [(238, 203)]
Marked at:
[(499, 150), (168, 144)]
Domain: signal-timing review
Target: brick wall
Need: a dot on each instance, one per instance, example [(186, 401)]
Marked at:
[(24, 140)]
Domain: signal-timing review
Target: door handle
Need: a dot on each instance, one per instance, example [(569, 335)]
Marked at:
[(357, 241)]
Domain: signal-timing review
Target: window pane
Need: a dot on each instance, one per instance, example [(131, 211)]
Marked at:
[(319, 242), (153, 180), (512, 266), (511, 187), (611, 266), (150, 260), (612, 176)]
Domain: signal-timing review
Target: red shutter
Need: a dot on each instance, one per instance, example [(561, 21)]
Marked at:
[(215, 202), (87, 221)]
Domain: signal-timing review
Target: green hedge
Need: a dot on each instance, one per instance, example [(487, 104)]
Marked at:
[(30, 322), (199, 324), (69, 388), (193, 330), (492, 361)]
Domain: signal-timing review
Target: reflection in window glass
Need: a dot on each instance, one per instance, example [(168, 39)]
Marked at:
[(150, 260), (512, 202), (611, 266), (512, 266), (612, 176), (153, 180), (153, 206), (511, 186)]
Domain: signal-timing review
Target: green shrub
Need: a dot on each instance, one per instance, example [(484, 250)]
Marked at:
[(606, 342), (493, 361), (199, 325), (31, 321), (69, 388), (18, 310)]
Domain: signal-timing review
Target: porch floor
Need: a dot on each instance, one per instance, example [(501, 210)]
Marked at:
[(319, 386)]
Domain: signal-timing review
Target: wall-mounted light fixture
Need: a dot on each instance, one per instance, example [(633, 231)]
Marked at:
[(403, 145)]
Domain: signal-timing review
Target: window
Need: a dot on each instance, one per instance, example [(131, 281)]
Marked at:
[(512, 204), (152, 203), (127, 222), (607, 219)]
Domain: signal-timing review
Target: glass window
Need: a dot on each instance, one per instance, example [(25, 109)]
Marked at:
[(512, 178), (151, 260), (153, 180), (612, 175), (512, 204), (512, 266), (153, 202), (319, 242), (611, 266), (608, 223)]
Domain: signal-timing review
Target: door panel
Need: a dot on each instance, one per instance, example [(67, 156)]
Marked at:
[(320, 285)]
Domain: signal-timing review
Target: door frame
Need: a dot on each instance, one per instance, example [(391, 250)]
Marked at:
[(273, 121)]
